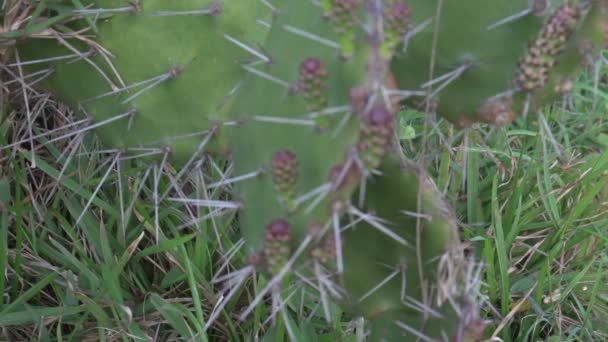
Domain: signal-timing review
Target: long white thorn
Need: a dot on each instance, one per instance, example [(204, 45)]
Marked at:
[(104, 10), (280, 120), (279, 303), (156, 180), (93, 126), (411, 33), (51, 59), (230, 253), (208, 203), (338, 242), (268, 4), (311, 36), (379, 285), (373, 222), (137, 193), (314, 192), (324, 299), (94, 195), (233, 275), (413, 331), (233, 180), (205, 11), (219, 307), (159, 80), (419, 306), (329, 111), (510, 19), (72, 147), (47, 133), (267, 76), (414, 214), (247, 48)]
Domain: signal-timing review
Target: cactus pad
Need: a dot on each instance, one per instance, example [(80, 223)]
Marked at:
[(171, 68), (512, 58)]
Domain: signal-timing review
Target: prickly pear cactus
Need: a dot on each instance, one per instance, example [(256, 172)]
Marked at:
[(510, 59), (326, 197), (153, 76), (417, 283)]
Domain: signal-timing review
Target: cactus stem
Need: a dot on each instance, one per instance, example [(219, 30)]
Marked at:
[(375, 222), (97, 188), (413, 331), (208, 203), (267, 76), (248, 48), (236, 179), (277, 278), (379, 285), (311, 36), (286, 121)]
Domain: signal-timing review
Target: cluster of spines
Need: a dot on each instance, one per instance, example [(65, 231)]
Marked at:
[(540, 58)]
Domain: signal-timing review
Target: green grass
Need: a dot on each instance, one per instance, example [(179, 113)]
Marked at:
[(87, 254), (536, 217)]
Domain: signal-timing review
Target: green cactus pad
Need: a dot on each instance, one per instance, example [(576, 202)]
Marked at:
[(299, 104), (185, 51), (379, 270), (494, 70)]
